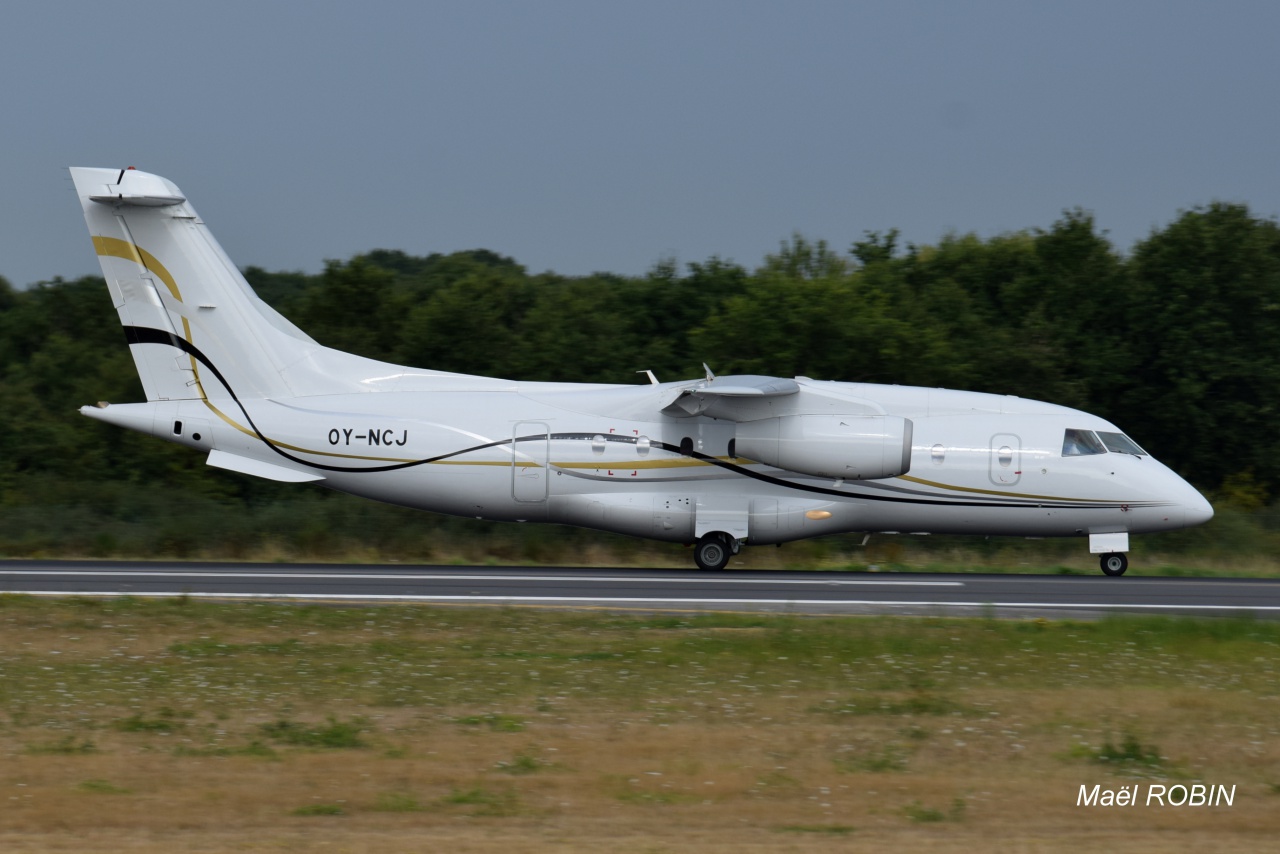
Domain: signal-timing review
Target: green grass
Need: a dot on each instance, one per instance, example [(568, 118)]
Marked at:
[(522, 763), (917, 704), (101, 787), (253, 748), (493, 722), (909, 668), (825, 829), (334, 735), (1130, 751), (320, 809), (487, 802), (880, 759), (166, 721), (917, 812), (66, 746), (428, 716), (656, 798), (397, 802)]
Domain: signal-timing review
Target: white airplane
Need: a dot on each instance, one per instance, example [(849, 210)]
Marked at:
[(716, 461)]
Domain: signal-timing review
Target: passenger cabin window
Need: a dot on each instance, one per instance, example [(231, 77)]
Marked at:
[(1119, 443), (1081, 443)]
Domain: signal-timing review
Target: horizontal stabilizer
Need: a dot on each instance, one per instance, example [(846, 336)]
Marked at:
[(257, 468), (139, 188)]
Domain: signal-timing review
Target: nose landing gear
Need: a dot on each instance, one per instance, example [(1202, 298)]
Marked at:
[(1111, 546), (1114, 564)]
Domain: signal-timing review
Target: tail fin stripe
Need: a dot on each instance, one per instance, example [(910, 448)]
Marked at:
[(146, 335), (117, 248)]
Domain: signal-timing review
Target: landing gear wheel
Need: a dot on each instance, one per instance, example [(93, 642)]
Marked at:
[(712, 551), (1114, 564)]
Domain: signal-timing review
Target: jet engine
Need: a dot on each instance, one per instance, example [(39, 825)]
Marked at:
[(855, 447)]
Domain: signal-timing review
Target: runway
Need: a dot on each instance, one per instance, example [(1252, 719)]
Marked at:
[(652, 589)]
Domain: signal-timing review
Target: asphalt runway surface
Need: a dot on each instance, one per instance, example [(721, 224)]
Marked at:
[(653, 589)]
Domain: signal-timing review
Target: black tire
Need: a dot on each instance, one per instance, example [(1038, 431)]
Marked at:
[(1114, 564), (712, 551)]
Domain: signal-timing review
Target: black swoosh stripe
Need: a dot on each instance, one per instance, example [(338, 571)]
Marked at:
[(942, 502), (147, 335)]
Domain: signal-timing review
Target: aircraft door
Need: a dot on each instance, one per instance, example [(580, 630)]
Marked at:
[(1005, 465), (530, 455)]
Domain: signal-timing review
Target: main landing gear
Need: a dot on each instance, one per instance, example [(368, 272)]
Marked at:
[(1114, 563), (713, 550)]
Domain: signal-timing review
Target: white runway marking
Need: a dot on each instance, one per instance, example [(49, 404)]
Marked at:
[(597, 600), (379, 577)]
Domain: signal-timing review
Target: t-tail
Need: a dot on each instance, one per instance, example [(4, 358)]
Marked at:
[(209, 352), (196, 330)]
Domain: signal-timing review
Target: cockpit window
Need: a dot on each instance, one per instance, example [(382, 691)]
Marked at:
[(1119, 443), (1081, 443)]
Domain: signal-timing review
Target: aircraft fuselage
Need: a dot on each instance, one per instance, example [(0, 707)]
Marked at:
[(579, 455)]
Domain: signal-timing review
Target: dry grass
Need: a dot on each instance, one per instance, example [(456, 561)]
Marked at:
[(169, 726)]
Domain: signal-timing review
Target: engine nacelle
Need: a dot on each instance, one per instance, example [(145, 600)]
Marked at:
[(855, 447)]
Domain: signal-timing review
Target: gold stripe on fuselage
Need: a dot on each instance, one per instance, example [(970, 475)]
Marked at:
[(976, 491)]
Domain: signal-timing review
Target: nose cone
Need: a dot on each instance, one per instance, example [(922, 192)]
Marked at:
[(1177, 504), (1196, 508)]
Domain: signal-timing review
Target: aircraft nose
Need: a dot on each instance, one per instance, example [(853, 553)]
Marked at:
[(1197, 509)]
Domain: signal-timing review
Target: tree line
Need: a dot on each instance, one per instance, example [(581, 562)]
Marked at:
[(1177, 341)]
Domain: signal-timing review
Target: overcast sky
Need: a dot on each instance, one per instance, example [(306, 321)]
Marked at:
[(585, 136)]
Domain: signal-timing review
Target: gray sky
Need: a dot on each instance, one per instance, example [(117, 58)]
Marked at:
[(583, 136)]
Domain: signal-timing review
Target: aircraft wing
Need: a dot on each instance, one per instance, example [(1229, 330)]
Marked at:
[(717, 396)]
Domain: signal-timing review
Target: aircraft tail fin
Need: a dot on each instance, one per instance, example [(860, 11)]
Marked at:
[(195, 328)]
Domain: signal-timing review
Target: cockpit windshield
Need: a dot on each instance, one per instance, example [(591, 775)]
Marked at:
[(1119, 443), (1083, 443)]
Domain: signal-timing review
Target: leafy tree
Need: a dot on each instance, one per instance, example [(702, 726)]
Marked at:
[(667, 307), (467, 326), (1203, 331), (876, 248), (800, 259), (808, 312), (578, 329), (351, 309), (285, 292), (1084, 308)]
